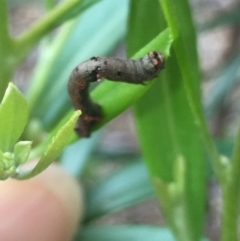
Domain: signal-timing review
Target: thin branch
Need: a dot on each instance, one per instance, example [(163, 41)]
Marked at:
[(5, 50), (231, 196), (50, 4), (52, 20), (4, 33)]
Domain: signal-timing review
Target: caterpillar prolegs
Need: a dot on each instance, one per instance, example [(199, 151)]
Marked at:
[(130, 71)]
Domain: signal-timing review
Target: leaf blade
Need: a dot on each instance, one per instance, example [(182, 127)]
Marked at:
[(13, 116), (54, 148)]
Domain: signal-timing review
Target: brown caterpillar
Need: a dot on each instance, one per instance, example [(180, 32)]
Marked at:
[(130, 71)]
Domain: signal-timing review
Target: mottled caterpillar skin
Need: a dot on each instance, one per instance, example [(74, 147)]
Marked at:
[(130, 71)]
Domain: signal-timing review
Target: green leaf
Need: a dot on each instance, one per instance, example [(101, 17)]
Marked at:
[(49, 4), (122, 189), (136, 39), (125, 233), (163, 115), (54, 149), (165, 123), (22, 150), (13, 116), (6, 58)]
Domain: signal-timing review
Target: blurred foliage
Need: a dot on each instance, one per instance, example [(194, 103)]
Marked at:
[(168, 113)]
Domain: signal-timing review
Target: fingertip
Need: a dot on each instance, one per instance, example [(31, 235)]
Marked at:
[(46, 207)]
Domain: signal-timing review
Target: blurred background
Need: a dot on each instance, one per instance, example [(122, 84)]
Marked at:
[(218, 28)]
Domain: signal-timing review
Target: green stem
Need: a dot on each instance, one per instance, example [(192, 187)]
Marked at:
[(4, 34), (49, 55), (50, 4), (5, 50), (207, 139), (28, 39), (231, 196), (230, 213)]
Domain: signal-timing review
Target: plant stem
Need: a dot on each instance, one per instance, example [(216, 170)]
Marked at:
[(207, 139), (4, 34), (28, 39), (231, 196), (230, 213), (50, 4), (5, 50)]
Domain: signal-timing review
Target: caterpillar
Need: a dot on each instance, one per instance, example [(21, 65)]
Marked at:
[(129, 71)]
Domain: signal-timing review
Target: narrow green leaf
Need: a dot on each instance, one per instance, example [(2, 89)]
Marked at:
[(54, 149), (231, 194), (5, 50), (123, 189), (49, 4), (13, 117), (125, 233), (166, 127), (138, 11), (178, 16)]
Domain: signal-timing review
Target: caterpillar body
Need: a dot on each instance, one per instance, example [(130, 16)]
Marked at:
[(130, 71)]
